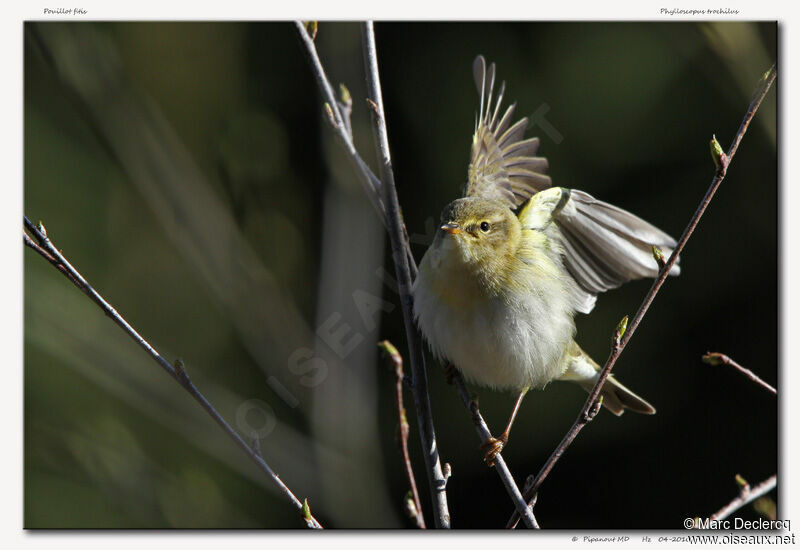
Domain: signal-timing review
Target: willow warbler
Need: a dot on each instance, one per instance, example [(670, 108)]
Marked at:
[(516, 258)]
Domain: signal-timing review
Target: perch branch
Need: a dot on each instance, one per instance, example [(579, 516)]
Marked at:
[(499, 464), (399, 243), (722, 359), (747, 495), (48, 251), (397, 363), (722, 162)]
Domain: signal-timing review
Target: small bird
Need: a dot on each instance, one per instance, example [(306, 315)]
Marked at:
[(516, 258)]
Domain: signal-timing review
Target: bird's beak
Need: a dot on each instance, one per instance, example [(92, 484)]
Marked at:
[(452, 228)]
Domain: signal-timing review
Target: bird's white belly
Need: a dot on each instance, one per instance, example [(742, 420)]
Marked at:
[(497, 343)]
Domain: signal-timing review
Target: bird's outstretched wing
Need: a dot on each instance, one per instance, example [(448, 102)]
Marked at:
[(602, 245), (503, 165)]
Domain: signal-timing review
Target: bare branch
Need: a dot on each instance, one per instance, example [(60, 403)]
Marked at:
[(43, 253), (399, 243), (339, 119), (47, 250), (719, 175), (397, 362), (747, 494), (713, 358), (499, 464), (340, 126), (722, 165)]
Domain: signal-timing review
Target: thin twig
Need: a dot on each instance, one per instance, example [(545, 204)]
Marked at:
[(397, 362), (43, 253), (714, 358), (399, 243), (340, 126), (340, 123), (747, 494), (499, 464), (722, 162), (719, 175), (47, 250)]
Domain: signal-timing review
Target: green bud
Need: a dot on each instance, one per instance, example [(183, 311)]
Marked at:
[(720, 160), (391, 352), (344, 93), (741, 482), (311, 28), (621, 328), (659, 257), (713, 359), (306, 510), (329, 114), (180, 368), (410, 505), (387, 347)]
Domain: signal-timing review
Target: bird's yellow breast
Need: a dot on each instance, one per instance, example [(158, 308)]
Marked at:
[(506, 326)]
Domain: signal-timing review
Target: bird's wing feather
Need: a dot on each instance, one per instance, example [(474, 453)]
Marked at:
[(603, 245), (503, 165)]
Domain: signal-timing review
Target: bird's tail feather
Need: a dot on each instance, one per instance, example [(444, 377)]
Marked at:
[(616, 397)]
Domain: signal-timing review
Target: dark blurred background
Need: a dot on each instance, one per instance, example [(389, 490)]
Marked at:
[(187, 171)]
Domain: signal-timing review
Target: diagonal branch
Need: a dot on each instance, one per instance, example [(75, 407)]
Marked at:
[(747, 494), (722, 162), (499, 463), (722, 359), (399, 243), (340, 123), (48, 251), (371, 183)]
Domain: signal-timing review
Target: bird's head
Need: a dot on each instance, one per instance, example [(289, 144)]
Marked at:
[(481, 233)]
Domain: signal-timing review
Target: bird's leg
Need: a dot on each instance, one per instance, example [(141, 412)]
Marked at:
[(495, 445)]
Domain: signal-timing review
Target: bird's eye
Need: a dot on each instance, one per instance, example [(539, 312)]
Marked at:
[(484, 226)]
